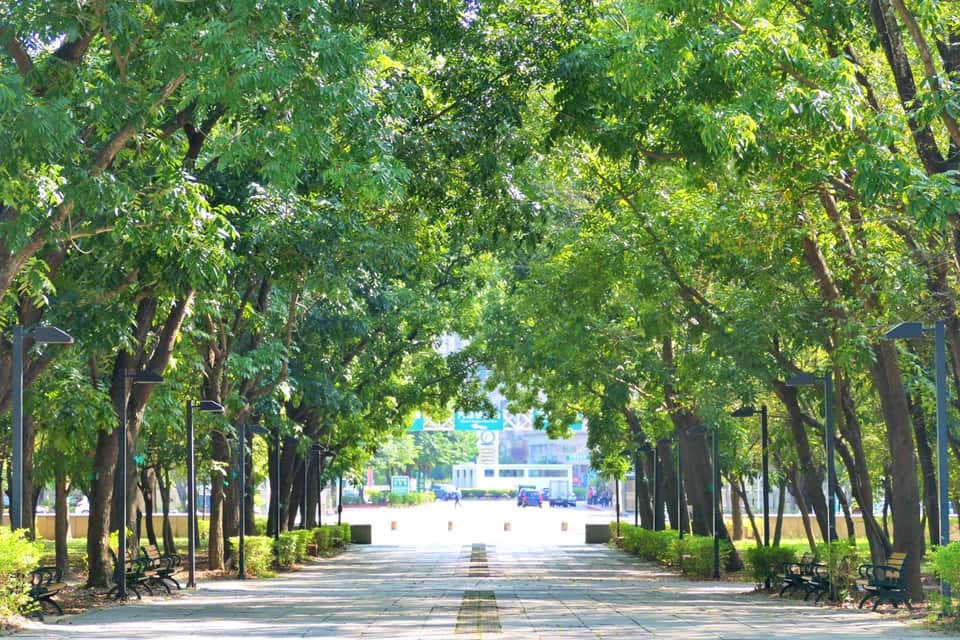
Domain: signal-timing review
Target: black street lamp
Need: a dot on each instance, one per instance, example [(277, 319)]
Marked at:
[(257, 430), (206, 406), (143, 377), (44, 335), (912, 330)]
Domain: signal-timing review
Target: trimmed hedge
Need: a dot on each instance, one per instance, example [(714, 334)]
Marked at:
[(692, 555), (398, 500), (495, 494)]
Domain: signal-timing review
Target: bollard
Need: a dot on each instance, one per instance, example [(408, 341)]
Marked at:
[(563, 526), (450, 525), (393, 525), (506, 526)]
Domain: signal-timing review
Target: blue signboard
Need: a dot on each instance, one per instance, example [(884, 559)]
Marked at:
[(477, 422)]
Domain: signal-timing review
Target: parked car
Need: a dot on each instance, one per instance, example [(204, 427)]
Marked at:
[(563, 500), (445, 491), (530, 498)]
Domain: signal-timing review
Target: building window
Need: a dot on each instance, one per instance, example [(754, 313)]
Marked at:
[(548, 473), (511, 473), (488, 473)]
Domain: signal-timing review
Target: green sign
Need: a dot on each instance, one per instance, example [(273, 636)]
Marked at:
[(400, 485)]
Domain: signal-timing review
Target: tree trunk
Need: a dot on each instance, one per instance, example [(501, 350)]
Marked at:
[(931, 499), (62, 515), (802, 506), (736, 514), (781, 507), (740, 492), (907, 533), (147, 489), (808, 479), (668, 483), (163, 484), (220, 453)]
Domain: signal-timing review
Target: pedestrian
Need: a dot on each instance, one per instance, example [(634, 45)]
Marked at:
[(456, 498)]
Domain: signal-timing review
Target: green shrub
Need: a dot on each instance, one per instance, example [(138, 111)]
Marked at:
[(647, 544), (18, 556), (766, 563), (257, 555), (693, 555), (260, 525), (287, 548), (946, 562)]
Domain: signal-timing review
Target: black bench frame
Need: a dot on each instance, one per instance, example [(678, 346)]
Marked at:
[(46, 582), (885, 582), (164, 565)]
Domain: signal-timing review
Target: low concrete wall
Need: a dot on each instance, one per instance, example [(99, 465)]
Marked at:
[(597, 533), (361, 534)]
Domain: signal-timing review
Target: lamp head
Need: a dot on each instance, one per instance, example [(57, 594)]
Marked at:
[(51, 335), (744, 412), (210, 406), (803, 379), (147, 377), (905, 330), (257, 429)]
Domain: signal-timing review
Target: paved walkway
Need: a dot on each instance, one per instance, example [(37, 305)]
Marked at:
[(474, 591)]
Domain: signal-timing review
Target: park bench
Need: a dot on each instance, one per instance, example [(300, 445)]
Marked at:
[(885, 582), (817, 582), (46, 582), (795, 573), (164, 565), (137, 574)]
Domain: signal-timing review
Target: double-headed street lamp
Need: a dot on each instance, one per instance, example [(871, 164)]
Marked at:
[(257, 430), (908, 330), (206, 406), (143, 377), (44, 335)]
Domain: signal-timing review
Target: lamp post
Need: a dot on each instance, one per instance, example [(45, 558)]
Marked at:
[(44, 335), (207, 406), (144, 377), (254, 429), (275, 489), (717, 511), (340, 499), (907, 330)]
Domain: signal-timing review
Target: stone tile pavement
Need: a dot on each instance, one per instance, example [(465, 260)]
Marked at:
[(476, 590)]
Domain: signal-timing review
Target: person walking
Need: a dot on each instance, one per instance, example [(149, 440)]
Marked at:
[(456, 498)]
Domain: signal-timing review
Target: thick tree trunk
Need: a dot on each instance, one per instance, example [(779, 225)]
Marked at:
[(220, 454), (736, 514), (907, 532), (740, 493)]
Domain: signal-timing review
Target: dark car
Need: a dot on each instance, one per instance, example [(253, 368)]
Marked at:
[(561, 500), (530, 498)]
